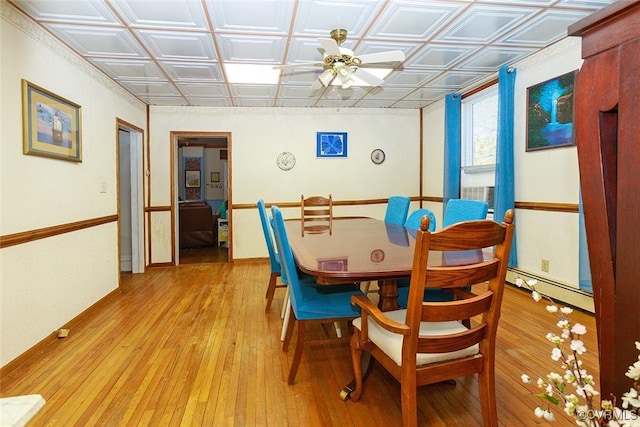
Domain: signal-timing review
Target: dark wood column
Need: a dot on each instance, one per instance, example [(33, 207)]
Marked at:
[(608, 136)]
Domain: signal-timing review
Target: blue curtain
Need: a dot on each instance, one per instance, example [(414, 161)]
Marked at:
[(584, 270), (504, 195), (452, 129)]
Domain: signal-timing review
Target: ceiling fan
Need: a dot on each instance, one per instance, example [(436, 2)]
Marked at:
[(341, 63)]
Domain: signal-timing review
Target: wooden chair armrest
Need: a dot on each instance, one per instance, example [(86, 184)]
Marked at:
[(369, 308)]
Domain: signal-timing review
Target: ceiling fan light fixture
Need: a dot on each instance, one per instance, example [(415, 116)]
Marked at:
[(326, 77), (345, 74)]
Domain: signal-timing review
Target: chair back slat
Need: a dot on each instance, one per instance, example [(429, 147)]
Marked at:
[(458, 309), (453, 342), (317, 210), (460, 276)]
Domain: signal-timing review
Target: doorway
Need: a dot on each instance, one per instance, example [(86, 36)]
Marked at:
[(130, 199), (202, 197)]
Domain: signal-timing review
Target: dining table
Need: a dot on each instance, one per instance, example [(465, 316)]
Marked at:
[(354, 250), (361, 249)]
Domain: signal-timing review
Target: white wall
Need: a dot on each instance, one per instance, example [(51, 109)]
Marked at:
[(47, 282), (258, 135), (541, 176)]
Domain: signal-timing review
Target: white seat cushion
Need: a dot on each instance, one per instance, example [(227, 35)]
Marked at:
[(391, 343)]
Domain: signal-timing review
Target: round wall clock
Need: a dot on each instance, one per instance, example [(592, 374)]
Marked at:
[(377, 156), (286, 160)]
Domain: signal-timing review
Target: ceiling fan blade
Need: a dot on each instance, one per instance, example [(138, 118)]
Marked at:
[(330, 46), (368, 78), (299, 64), (388, 56)]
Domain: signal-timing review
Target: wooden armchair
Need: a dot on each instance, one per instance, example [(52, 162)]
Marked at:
[(316, 213), (427, 343)]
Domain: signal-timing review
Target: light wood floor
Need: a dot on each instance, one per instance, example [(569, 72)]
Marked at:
[(192, 346)]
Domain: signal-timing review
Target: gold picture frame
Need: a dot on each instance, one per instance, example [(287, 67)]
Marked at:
[(52, 125), (215, 176)]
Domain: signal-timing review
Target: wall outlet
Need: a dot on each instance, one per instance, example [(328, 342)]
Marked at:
[(544, 265)]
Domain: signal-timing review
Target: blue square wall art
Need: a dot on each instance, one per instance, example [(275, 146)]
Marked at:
[(331, 144)]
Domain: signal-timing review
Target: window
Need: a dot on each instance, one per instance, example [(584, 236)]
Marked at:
[(478, 150)]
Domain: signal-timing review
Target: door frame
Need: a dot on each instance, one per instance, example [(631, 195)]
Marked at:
[(136, 165), (174, 136)]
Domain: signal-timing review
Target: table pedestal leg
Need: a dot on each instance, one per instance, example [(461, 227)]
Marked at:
[(388, 295), (367, 363)]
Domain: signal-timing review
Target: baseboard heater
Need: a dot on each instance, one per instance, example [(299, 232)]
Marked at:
[(558, 291)]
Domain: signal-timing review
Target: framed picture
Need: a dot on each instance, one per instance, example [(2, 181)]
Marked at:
[(51, 124), (550, 107), (215, 176), (331, 144), (192, 179)]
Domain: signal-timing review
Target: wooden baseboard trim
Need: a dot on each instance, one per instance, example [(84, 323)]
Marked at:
[(53, 336)]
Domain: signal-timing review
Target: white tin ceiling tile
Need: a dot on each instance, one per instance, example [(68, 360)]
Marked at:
[(386, 93), (203, 90), (439, 56), (122, 69), (586, 4), (272, 16), (187, 71), (305, 50), (547, 28), (178, 14), (252, 91), (410, 78), (165, 100), (185, 46), (300, 92), (210, 102), (251, 49), (427, 94), (539, 3), (455, 79), (414, 19), (367, 47), (70, 11), (481, 24), (491, 58), (149, 88), (320, 17), (300, 76), (96, 41)]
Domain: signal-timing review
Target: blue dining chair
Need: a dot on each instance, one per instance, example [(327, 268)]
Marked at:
[(413, 222), (276, 269), (458, 210), (310, 301), (397, 210)]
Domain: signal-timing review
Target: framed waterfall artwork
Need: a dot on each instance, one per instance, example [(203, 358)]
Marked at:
[(51, 125), (550, 107)]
